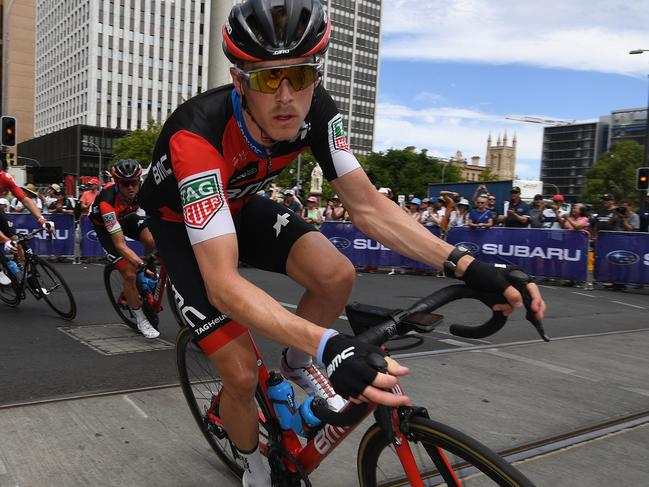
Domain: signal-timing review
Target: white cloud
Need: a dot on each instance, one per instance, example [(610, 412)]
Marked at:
[(445, 130), (591, 35)]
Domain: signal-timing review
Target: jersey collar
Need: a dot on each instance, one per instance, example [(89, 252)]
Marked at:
[(255, 146)]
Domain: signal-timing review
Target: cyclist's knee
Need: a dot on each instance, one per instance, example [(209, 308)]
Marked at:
[(337, 277), (240, 383)]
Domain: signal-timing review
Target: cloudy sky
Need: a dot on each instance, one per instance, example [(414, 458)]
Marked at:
[(452, 70)]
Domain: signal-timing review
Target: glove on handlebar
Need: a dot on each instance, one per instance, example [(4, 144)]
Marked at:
[(494, 278), (10, 246), (145, 282), (351, 365)]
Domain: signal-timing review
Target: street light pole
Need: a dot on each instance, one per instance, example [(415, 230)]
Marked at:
[(5, 58), (646, 144), (550, 184), (98, 150), (30, 159)]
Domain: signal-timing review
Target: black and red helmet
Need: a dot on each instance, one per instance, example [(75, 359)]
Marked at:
[(263, 30), (126, 169)]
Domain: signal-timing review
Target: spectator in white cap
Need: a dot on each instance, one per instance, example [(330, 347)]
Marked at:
[(311, 212), (291, 202), (459, 216), (4, 204), (385, 192)]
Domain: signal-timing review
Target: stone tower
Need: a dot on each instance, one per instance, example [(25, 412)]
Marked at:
[(501, 158)]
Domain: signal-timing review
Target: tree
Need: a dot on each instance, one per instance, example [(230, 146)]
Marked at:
[(408, 172), (138, 144), (487, 175), (615, 173)]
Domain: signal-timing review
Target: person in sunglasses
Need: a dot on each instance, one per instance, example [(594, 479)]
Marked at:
[(214, 153), (114, 216)]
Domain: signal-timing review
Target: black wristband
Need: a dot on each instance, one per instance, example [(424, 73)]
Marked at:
[(450, 265), (141, 267)]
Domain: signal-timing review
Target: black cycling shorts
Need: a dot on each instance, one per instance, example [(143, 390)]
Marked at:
[(266, 231), (132, 225), (6, 225)]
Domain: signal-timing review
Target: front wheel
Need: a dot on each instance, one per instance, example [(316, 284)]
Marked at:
[(202, 387), (115, 288), (443, 456), (53, 288), (9, 293)]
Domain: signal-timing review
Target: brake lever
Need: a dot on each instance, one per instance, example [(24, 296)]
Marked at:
[(519, 280)]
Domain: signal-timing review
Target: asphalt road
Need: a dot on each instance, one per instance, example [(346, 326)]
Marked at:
[(40, 360)]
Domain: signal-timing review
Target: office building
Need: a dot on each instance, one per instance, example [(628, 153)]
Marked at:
[(352, 66), (117, 63), (628, 124)]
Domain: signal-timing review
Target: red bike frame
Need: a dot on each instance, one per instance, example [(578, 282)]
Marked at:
[(325, 441)]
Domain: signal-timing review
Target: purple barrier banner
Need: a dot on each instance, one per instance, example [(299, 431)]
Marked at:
[(362, 250), (549, 253), (90, 246), (62, 242), (622, 257)]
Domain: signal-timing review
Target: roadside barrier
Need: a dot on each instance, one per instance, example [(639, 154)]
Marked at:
[(620, 257)]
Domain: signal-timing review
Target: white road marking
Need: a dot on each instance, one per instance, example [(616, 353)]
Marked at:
[(583, 294), (547, 287), (627, 304), (538, 363), (457, 343), (136, 407), (293, 306), (642, 392)]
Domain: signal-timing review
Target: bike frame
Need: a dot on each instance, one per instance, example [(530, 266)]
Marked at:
[(30, 259), (328, 437), (156, 297)]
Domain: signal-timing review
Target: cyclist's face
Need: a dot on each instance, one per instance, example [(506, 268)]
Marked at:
[(281, 113), (128, 187)]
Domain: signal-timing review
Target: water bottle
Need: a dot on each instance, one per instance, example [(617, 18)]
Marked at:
[(283, 398), (305, 419), (13, 267)]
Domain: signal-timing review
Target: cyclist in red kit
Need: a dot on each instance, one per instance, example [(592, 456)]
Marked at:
[(213, 155)]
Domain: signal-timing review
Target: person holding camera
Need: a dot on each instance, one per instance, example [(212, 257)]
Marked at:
[(608, 218), (554, 213), (630, 219)]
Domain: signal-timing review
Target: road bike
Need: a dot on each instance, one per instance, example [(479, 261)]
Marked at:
[(151, 300), (40, 279), (403, 447)]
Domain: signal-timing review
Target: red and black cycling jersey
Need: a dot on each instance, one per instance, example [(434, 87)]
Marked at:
[(206, 165), (110, 207), (7, 182)]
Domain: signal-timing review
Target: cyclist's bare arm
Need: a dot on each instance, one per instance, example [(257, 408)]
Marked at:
[(244, 302), (33, 209), (124, 250), (384, 221)]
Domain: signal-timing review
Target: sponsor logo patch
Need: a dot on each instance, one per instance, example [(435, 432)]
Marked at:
[(337, 139), (110, 222), (201, 198), (470, 246)]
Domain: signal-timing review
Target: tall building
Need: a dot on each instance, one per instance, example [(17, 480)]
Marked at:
[(18, 64), (628, 124), (568, 152), (352, 66), (117, 63)]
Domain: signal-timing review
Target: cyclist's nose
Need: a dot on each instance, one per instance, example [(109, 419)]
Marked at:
[(285, 92)]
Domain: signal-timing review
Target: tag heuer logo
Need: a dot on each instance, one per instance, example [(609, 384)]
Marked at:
[(337, 139), (201, 199)]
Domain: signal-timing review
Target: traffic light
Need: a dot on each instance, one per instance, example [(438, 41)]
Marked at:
[(8, 131), (642, 179)]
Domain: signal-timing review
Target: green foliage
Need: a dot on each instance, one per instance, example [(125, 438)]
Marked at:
[(138, 144), (615, 173), (408, 172), (487, 175)]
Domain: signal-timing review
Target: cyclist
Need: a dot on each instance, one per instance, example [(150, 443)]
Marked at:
[(7, 233), (114, 215), (214, 153)]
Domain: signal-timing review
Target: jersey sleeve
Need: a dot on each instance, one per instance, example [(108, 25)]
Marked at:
[(327, 137), (202, 178), (109, 217), (7, 181)]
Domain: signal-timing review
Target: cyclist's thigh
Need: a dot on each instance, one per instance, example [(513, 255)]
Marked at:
[(266, 232), (6, 225), (212, 328), (113, 256)]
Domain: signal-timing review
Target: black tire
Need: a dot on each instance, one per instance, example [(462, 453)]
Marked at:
[(114, 286), (53, 289), (470, 461), (9, 294), (201, 385)]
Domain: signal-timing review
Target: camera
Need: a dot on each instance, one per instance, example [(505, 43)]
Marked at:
[(621, 210)]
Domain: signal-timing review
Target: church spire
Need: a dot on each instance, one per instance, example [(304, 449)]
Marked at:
[(505, 138), (498, 141)]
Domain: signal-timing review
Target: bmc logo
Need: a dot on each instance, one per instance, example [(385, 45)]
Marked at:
[(327, 437)]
